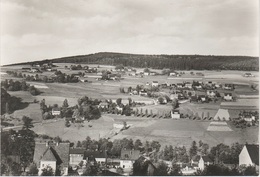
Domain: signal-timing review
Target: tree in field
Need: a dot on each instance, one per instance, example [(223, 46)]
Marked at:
[(119, 101), (176, 170), (119, 66), (130, 101), (160, 100), (138, 144), (33, 170), (45, 79), (146, 70), (250, 171), (162, 169), (27, 123), (193, 149), (146, 112), (155, 145), (26, 142), (129, 90), (65, 103), (175, 104)]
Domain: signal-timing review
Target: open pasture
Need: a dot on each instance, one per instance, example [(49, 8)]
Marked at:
[(183, 132)]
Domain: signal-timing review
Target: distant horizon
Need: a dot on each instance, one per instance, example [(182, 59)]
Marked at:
[(33, 30), (120, 53)]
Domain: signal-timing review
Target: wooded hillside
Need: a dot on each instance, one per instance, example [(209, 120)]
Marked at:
[(178, 62)]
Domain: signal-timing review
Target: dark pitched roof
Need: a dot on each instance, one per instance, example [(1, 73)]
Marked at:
[(55, 109), (226, 94), (77, 151), (129, 154), (48, 155), (206, 159), (94, 154), (253, 151), (59, 151)]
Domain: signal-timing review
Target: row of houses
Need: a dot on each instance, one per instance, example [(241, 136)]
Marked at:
[(62, 156)]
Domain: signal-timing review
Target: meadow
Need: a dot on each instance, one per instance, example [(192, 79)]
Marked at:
[(166, 131)]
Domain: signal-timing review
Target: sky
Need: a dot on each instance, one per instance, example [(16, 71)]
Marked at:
[(44, 29)]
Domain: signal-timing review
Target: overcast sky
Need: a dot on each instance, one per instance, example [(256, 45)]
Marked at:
[(41, 29)]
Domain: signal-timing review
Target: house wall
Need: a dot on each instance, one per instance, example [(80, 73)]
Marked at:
[(75, 159), (201, 164), (175, 116), (126, 163), (55, 113), (244, 158), (155, 84), (228, 97), (100, 160), (64, 171), (44, 164)]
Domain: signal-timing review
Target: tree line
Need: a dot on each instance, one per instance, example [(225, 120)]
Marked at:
[(10, 103), (11, 85), (178, 62)]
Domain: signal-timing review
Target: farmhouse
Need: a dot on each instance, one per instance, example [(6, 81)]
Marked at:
[(198, 86), (83, 80), (249, 156), (228, 86), (204, 161), (188, 85), (103, 105), (193, 99), (76, 156), (55, 111), (146, 73), (143, 93), (52, 155), (248, 75), (195, 161), (155, 84), (211, 93), (95, 156), (173, 74), (248, 116), (175, 114), (202, 98), (152, 73), (180, 85), (128, 157), (173, 96), (228, 97), (209, 83)]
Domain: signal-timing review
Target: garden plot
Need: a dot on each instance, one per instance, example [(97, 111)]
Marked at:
[(219, 126)]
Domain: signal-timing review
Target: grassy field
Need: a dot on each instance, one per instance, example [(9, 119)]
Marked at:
[(166, 131)]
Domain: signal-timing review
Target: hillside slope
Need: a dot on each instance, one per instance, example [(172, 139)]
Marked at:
[(180, 62)]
